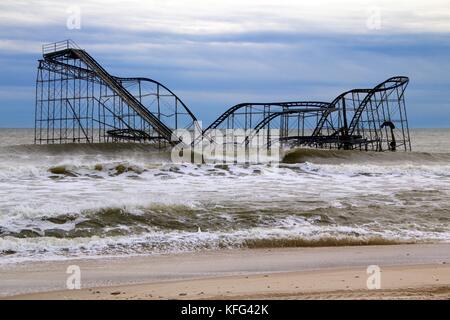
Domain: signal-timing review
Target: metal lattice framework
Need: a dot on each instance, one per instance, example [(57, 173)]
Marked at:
[(368, 119), (365, 119), (277, 120), (78, 101)]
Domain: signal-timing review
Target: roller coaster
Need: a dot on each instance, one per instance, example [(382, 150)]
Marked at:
[(78, 101)]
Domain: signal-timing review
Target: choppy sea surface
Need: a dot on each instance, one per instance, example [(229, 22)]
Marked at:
[(72, 201)]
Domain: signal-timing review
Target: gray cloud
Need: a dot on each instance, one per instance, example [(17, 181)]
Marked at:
[(240, 61)]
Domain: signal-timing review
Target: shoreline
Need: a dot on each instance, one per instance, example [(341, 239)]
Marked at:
[(407, 271)]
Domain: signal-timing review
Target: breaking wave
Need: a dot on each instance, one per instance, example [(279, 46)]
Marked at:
[(353, 156), (71, 201)]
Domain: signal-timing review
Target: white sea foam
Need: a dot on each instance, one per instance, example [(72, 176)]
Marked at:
[(114, 202)]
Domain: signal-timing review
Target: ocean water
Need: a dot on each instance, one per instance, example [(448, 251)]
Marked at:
[(72, 201)]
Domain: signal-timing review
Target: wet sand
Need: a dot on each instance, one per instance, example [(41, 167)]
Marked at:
[(407, 272)]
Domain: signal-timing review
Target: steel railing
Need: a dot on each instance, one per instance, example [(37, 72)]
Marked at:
[(59, 46)]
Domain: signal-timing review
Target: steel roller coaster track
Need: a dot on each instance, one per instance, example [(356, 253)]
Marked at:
[(78, 101)]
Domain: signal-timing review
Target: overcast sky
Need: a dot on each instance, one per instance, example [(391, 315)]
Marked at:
[(215, 54)]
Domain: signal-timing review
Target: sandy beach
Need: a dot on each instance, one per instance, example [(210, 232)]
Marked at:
[(407, 272)]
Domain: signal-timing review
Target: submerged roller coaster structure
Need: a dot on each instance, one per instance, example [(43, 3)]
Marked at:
[(78, 101)]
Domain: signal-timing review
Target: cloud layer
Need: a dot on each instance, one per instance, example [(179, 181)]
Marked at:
[(218, 53)]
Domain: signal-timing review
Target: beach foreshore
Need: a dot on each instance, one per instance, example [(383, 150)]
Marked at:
[(406, 272)]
